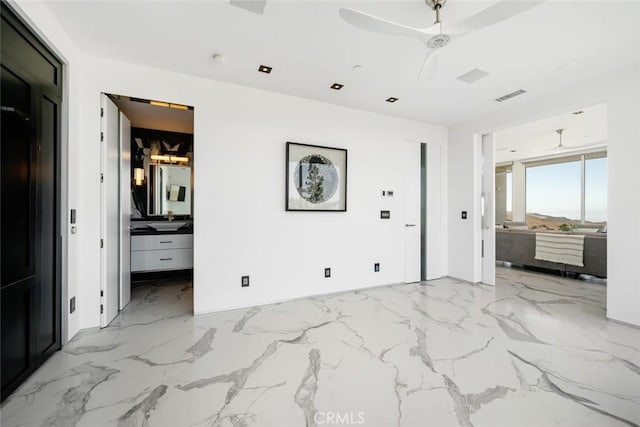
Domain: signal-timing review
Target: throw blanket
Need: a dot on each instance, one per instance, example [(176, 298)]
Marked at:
[(560, 248)]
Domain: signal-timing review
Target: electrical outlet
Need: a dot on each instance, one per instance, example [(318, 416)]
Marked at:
[(376, 267), (245, 281), (72, 304), (327, 272), (464, 215)]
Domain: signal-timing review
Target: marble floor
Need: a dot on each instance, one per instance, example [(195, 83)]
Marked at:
[(533, 351)]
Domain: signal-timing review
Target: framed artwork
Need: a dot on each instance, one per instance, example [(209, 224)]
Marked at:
[(316, 178)]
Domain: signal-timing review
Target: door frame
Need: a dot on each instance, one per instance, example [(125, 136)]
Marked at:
[(488, 209)]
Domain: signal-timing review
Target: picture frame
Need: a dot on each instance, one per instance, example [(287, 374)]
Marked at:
[(316, 178)]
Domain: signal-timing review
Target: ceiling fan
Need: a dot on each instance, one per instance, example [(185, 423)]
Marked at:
[(561, 147), (439, 34)]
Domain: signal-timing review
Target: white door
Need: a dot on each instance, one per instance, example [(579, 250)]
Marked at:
[(488, 250), (109, 212), (412, 213), (125, 210)]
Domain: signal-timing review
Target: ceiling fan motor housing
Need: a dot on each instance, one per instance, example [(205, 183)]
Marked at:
[(438, 41)]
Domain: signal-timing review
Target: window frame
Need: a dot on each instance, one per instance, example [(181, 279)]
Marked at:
[(582, 158)]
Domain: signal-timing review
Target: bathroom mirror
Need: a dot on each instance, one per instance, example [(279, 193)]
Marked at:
[(169, 189)]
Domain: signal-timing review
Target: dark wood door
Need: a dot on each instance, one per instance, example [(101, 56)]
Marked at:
[(30, 277)]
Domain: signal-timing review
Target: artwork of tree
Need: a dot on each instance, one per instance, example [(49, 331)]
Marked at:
[(316, 178), (314, 183)]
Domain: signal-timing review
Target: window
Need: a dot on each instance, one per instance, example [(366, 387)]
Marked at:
[(554, 190), (595, 184)]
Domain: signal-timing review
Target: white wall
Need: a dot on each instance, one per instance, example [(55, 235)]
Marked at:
[(620, 90), (240, 224)]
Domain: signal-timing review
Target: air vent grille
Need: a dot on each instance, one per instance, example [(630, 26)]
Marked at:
[(255, 6), (511, 95), (473, 75)]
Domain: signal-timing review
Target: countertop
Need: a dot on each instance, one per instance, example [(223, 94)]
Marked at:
[(140, 228)]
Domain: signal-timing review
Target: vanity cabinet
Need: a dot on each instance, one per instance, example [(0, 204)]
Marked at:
[(160, 252)]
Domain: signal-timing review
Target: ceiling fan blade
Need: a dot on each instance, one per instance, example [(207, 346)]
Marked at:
[(498, 12), (380, 25), (432, 59), (576, 147), (560, 148), (430, 65)]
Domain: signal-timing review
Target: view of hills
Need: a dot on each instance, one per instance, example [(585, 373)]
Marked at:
[(536, 221)]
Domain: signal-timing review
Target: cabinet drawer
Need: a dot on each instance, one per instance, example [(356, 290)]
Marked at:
[(169, 259), (161, 241)]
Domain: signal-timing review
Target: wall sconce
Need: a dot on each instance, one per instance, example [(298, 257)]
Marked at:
[(138, 176), (168, 158)]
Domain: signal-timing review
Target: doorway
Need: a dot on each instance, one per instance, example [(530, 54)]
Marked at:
[(31, 230), (551, 195), (146, 196)]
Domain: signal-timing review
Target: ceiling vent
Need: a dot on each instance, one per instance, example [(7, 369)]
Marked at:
[(511, 95), (255, 6), (473, 75)]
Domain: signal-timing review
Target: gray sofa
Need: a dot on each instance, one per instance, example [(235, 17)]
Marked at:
[(519, 247)]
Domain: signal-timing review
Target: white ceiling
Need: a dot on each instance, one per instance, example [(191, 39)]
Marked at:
[(149, 116), (586, 131), (310, 47)]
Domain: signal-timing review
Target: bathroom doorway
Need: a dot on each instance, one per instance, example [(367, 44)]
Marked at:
[(147, 201)]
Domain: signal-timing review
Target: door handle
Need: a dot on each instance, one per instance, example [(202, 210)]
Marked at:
[(409, 225), (166, 241), (166, 259)]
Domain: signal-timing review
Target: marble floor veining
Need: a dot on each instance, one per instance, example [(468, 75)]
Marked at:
[(532, 351)]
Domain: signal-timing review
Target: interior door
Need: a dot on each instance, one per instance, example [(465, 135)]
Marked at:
[(125, 210), (109, 211), (30, 286), (412, 248), (488, 250)]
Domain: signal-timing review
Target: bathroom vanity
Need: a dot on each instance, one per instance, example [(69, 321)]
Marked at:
[(161, 250), (162, 191)]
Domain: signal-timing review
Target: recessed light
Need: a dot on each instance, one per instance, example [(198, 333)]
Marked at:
[(567, 65), (337, 86), (577, 113), (391, 99), (357, 67), (264, 69), (217, 58), (512, 151)]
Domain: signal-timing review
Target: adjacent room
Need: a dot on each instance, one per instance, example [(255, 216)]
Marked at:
[(551, 195), (304, 213)]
